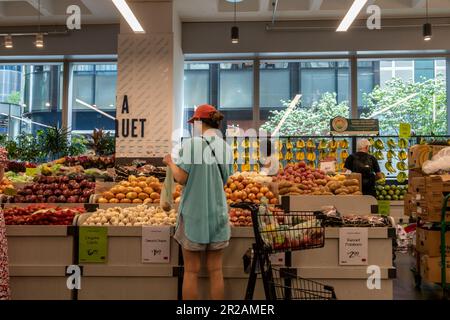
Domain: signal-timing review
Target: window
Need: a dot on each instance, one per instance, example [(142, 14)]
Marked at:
[(226, 85), (93, 85), (30, 97), (324, 88), (412, 91)]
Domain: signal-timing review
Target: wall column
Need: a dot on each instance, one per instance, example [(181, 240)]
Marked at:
[(146, 77)]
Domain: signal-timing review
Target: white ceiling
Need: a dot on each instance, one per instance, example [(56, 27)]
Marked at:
[(24, 12)]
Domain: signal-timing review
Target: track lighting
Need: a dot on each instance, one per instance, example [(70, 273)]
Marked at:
[(427, 29), (39, 40), (8, 42), (235, 29)]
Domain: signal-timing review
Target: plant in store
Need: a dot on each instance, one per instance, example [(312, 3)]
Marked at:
[(78, 145), (54, 142), (308, 120), (102, 143)]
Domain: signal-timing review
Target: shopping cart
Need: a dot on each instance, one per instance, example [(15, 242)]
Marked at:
[(285, 232)]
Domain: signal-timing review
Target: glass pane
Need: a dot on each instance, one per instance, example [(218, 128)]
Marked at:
[(395, 97), (196, 87), (324, 86), (93, 92), (235, 86), (274, 87)]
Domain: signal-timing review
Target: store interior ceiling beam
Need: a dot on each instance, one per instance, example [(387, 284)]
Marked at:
[(46, 6), (314, 5), (418, 3)]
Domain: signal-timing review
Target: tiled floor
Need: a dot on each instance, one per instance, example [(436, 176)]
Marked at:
[(404, 285)]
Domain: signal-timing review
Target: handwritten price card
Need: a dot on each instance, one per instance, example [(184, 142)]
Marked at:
[(155, 244), (353, 246)]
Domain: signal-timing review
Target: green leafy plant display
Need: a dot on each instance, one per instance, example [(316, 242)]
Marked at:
[(54, 142), (78, 145), (102, 143)]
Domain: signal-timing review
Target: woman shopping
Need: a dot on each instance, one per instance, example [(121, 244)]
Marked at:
[(4, 275), (203, 168)]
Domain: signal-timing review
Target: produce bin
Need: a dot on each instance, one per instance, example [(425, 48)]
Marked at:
[(124, 276), (38, 257)]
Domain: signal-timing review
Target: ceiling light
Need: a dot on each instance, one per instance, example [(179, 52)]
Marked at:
[(128, 15), (47, 104), (235, 29), (351, 15), (8, 42), (427, 29), (39, 40)]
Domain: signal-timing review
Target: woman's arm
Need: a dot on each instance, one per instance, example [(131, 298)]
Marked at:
[(179, 174)]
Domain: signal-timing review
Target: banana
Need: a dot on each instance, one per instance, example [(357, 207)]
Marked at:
[(402, 155), (246, 167), (312, 164), (378, 155), (279, 145), (311, 156), (390, 155), (255, 144), (289, 145), (310, 144), (343, 144), (389, 167), (378, 144), (391, 143), (289, 156), (300, 144), (300, 156), (401, 166), (402, 143), (235, 154), (333, 145), (344, 154), (322, 154), (371, 141), (245, 143), (280, 156), (256, 167), (322, 144), (255, 156), (401, 177), (235, 167)]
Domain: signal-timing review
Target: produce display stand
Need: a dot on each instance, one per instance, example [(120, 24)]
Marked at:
[(322, 265), (124, 276), (38, 257)]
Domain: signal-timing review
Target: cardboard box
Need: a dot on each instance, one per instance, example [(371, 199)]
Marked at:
[(417, 185), (407, 204), (429, 242), (438, 183), (413, 155), (430, 268), (429, 215)]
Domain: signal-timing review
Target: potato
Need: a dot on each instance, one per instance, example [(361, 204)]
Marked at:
[(341, 190), (357, 193), (351, 182)]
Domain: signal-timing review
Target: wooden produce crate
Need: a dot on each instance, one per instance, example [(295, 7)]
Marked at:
[(38, 257), (430, 268), (413, 156)]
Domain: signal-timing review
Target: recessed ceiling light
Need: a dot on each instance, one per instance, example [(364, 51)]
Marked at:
[(128, 15), (351, 15)]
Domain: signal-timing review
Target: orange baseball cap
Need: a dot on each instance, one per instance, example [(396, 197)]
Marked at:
[(202, 112)]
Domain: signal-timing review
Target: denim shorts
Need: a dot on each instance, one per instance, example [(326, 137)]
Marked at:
[(187, 244)]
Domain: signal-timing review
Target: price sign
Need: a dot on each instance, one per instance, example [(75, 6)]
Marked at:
[(93, 245), (277, 259), (353, 246), (328, 166), (155, 244), (404, 130), (384, 207)]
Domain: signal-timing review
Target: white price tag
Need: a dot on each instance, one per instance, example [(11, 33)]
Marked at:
[(418, 196), (277, 259), (328, 166), (155, 244), (353, 246)]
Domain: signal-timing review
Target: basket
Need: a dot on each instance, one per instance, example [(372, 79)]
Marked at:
[(290, 231), (286, 285)]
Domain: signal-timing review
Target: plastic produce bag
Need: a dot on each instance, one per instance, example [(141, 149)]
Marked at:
[(166, 200), (440, 161)]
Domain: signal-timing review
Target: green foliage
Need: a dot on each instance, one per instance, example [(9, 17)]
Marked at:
[(426, 111), (14, 97), (309, 120), (78, 145), (24, 148), (54, 142), (102, 143)]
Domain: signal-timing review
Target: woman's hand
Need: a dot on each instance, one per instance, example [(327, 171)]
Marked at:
[(167, 160)]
